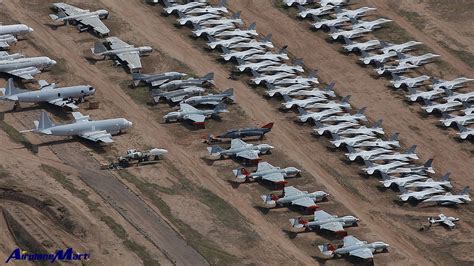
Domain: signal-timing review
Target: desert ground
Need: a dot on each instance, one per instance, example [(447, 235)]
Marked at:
[(183, 210)]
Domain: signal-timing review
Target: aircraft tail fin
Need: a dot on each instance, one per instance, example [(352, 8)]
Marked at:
[(402, 189), (11, 89), (362, 110), (297, 62), (181, 14), (240, 61), (410, 150), (237, 14), (99, 48), (332, 29), (412, 90), (313, 74), (427, 102), (327, 250), (401, 55), (255, 74), (252, 26), (283, 50), (330, 86), (466, 105), (229, 93), (44, 122), (461, 127), (222, 3), (315, 18), (300, 8), (385, 176), (267, 38), (448, 92), (215, 150), (221, 107), (394, 137), (137, 77), (268, 126), (465, 191), (318, 124), (383, 44), (378, 124), (302, 111), (59, 15), (167, 3), (368, 163), (445, 177), (225, 50), (395, 76), (286, 98), (354, 21), (346, 99), (428, 163), (348, 41), (335, 136), (208, 76), (196, 26)]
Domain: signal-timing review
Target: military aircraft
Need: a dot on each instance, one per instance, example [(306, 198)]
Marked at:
[(462, 120), (97, 131), (370, 131), (266, 171), (349, 34), (414, 94), (182, 83), (8, 33), (320, 128), (369, 25), (175, 95), (320, 23), (399, 48), (185, 18), (295, 68), (402, 181), (211, 99), (400, 68), (235, 19), (187, 112), (443, 219), (450, 84), (215, 43), (398, 81), (418, 195), (269, 78), (369, 58), (48, 93), (333, 2), (302, 103), (156, 79), (365, 155), (304, 116), (353, 13), (349, 141), (297, 2), (444, 183), (219, 9), (463, 97), (441, 107), (464, 132), (407, 155), (379, 143), (200, 30), (414, 169), (359, 116), (417, 60), (282, 90), (354, 247), (243, 66), (316, 92), (344, 104), (84, 18), (228, 54), (242, 133), (324, 221), (171, 6), (25, 68), (265, 43), (310, 79), (122, 52), (240, 149), (324, 10), (352, 46), (450, 199), (278, 56), (249, 32), (295, 197), (6, 56), (382, 168)]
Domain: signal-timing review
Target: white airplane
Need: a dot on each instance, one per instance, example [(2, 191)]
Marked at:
[(234, 20), (326, 92), (333, 2), (446, 220), (398, 48), (266, 171), (369, 58), (310, 79), (463, 97), (171, 6), (199, 31), (344, 104), (243, 65), (464, 132), (382, 168), (414, 95), (359, 116), (269, 78), (399, 81), (283, 90), (249, 32), (365, 155), (296, 197), (9, 33), (295, 68), (379, 143), (414, 169), (418, 195), (323, 128), (228, 54), (441, 107), (6, 56), (304, 116), (450, 199), (25, 68), (324, 221), (369, 25), (85, 18), (264, 44), (352, 46), (298, 2), (239, 148), (278, 57), (417, 60), (219, 9), (444, 183), (371, 131), (450, 84), (348, 141), (407, 155), (468, 108), (352, 13), (197, 19), (213, 43), (324, 10), (354, 247), (400, 68), (329, 22), (291, 102), (462, 120), (349, 34), (403, 181)]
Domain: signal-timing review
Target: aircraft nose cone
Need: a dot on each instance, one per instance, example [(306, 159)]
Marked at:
[(53, 62), (129, 123), (30, 29)]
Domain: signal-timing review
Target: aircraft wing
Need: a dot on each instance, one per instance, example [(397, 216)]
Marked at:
[(195, 118), (178, 98), (290, 191), (132, 59), (68, 9), (275, 177), (187, 108), (263, 166), (351, 240), (364, 253), (4, 45), (61, 103), (24, 73), (116, 43), (236, 143), (304, 202), (319, 215), (102, 136), (248, 154), (96, 23), (334, 226), (79, 117), (448, 223)]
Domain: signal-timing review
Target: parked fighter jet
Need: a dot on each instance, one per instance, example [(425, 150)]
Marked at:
[(369, 25), (328, 22), (156, 79), (320, 128), (97, 131), (240, 149), (293, 69), (369, 58), (279, 56), (418, 195), (344, 104), (443, 219), (450, 199), (414, 169), (25, 68), (353, 13), (182, 83), (214, 43), (269, 78), (267, 172), (441, 107), (399, 48), (175, 95), (187, 112), (315, 92), (211, 99), (414, 94), (359, 116), (310, 79), (370, 131), (406, 156), (324, 221), (265, 43), (122, 52), (249, 32), (200, 30), (243, 66), (463, 97), (304, 116), (228, 54), (48, 93), (219, 9), (298, 2), (349, 34), (295, 197), (379, 143), (400, 68), (283, 90), (8, 33), (417, 60), (382, 168), (85, 18), (324, 10), (302, 103), (354, 247), (242, 133), (185, 18), (171, 6), (444, 183), (349, 141), (462, 120), (365, 155), (450, 84), (352, 46), (464, 132), (333, 2), (398, 81), (388, 181)]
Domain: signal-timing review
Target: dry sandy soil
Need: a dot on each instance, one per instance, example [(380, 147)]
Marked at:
[(145, 214)]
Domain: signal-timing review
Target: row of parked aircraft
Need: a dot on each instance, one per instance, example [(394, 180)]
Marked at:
[(241, 45), (437, 95)]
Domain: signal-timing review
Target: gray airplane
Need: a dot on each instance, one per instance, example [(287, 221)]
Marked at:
[(199, 30), (176, 95), (417, 60), (400, 68), (407, 155), (353, 13), (122, 52), (48, 93), (369, 58), (369, 25), (354, 247), (185, 18), (84, 18), (6, 56), (414, 94), (242, 133), (382, 168), (450, 84), (430, 107), (324, 10), (365, 155), (349, 34), (462, 120), (211, 99), (171, 6), (349, 141), (320, 23), (9, 33), (324, 221), (398, 48), (403, 181), (228, 54), (241, 149), (156, 79), (463, 97), (181, 83), (443, 219), (418, 195), (398, 81), (464, 132), (450, 199), (25, 68), (267, 172), (356, 118), (444, 183), (295, 197), (305, 116), (97, 131), (379, 143), (187, 112), (352, 46)]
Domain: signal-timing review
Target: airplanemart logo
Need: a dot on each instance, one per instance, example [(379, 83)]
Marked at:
[(60, 255)]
